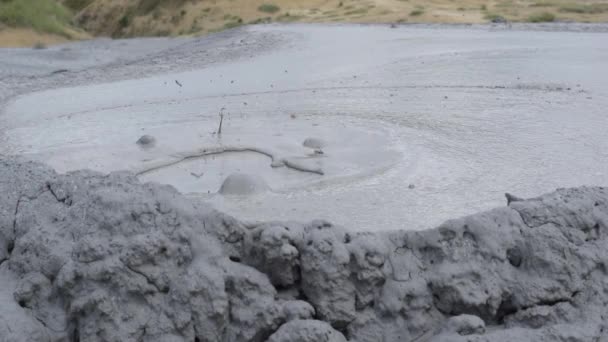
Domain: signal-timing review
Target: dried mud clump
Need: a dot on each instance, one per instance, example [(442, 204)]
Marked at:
[(92, 257)]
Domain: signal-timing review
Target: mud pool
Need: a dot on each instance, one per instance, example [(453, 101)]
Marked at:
[(419, 124)]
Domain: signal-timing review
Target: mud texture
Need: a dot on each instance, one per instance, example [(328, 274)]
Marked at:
[(242, 184), (92, 257), (414, 124)]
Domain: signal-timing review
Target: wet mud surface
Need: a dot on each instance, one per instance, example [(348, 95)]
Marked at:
[(418, 124)]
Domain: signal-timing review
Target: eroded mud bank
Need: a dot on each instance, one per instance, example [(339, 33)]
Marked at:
[(92, 257)]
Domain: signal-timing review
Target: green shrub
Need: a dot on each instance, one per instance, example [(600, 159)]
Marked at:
[(416, 12), (288, 17), (495, 18), (233, 24), (585, 9), (41, 15), (542, 17), (269, 8), (124, 21), (261, 21)]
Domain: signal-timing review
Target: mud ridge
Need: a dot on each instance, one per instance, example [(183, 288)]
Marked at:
[(129, 261), (178, 158)]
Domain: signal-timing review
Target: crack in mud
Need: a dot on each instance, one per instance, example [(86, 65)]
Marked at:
[(148, 280), (65, 200)]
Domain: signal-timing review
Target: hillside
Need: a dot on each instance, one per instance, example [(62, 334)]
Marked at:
[(56, 20), (36, 22), (156, 17)]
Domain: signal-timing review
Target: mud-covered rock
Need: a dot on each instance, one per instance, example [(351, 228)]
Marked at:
[(271, 248), (326, 275), (93, 257), (146, 141), (307, 331), (465, 325)]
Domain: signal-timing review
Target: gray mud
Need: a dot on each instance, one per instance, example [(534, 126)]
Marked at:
[(91, 257), (243, 184), (421, 122)]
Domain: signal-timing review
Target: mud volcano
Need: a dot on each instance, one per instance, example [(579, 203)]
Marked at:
[(411, 132)]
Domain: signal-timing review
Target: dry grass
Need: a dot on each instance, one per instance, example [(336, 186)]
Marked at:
[(20, 37), (269, 8), (543, 17), (210, 16), (125, 18)]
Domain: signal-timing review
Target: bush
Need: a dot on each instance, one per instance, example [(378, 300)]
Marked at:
[(542, 17), (233, 24), (416, 12), (261, 21), (585, 9), (41, 15), (495, 18), (39, 46), (269, 8), (124, 21)]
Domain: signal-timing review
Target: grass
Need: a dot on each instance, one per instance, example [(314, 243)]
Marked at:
[(233, 24), (46, 16), (584, 8), (288, 17), (543, 17), (146, 6), (493, 17), (122, 18), (356, 11), (265, 20), (269, 8), (77, 5)]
